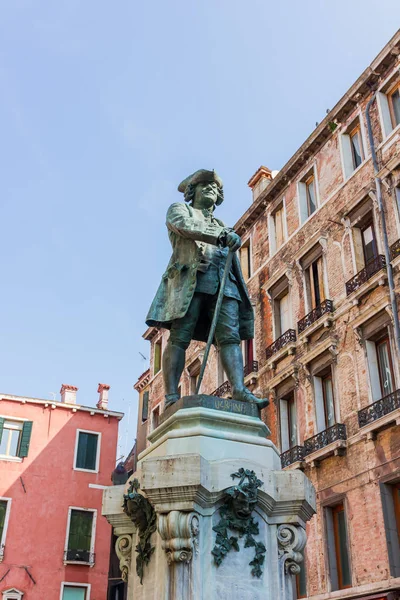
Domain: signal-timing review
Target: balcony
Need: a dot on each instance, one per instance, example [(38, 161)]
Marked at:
[(326, 443), (291, 456), (395, 250), (251, 367), (83, 557), (222, 390), (282, 341), (325, 307), (374, 266), (380, 414)]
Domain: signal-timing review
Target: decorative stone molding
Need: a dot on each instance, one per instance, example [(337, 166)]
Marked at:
[(123, 549), (178, 531), (291, 542)]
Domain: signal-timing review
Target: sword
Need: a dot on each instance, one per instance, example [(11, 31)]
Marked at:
[(217, 310)]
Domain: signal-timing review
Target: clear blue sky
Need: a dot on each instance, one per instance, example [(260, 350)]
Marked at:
[(104, 108)]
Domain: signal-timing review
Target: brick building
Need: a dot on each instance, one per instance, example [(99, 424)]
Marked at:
[(320, 246), (55, 460)]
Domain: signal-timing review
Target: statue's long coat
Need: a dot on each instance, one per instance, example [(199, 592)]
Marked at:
[(186, 233)]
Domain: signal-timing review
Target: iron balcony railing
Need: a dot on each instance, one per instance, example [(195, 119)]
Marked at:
[(292, 455), (325, 307), (374, 265), (379, 409), (395, 250), (324, 438), (286, 338), (251, 367), (83, 556), (223, 389)]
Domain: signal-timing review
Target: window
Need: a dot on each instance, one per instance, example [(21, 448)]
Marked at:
[(369, 242), (157, 356), (282, 314), (352, 148), (87, 450), (301, 581), (380, 365), (145, 406), (156, 417), (338, 547), (248, 352), (12, 594), (315, 283), (75, 591), (288, 421), (14, 438), (5, 506), (365, 242), (80, 536), (324, 399), (390, 494), (245, 260), (277, 227), (394, 104), (308, 201)]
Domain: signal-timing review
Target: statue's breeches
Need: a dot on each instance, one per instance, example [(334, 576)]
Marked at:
[(227, 329)]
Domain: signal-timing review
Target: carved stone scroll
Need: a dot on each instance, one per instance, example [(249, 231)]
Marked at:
[(178, 531), (291, 542), (123, 549)]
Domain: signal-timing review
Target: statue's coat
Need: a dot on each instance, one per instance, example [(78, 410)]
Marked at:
[(178, 284)]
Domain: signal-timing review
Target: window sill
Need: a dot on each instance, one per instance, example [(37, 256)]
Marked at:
[(337, 448), (78, 562), (94, 471), (16, 459), (289, 349)]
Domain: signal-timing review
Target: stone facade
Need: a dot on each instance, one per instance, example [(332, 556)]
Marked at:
[(325, 345)]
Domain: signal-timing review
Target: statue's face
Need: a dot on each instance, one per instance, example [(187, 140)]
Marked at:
[(243, 506), (205, 195), (136, 514)]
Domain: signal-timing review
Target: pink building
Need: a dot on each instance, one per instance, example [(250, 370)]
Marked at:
[(55, 459)]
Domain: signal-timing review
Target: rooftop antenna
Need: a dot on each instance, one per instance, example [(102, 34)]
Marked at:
[(54, 395), (143, 356)]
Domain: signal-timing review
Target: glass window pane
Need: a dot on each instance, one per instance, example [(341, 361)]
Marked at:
[(369, 244), (4, 441), (301, 581), (329, 404), (87, 451), (343, 550), (356, 149), (74, 593), (396, 105), (385, 370), (311, 204), (292, 423), (14, 442)]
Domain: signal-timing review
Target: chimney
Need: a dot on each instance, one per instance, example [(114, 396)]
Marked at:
[(261, 178), (103, 396), (68, 393)]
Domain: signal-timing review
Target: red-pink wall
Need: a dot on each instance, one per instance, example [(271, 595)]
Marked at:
[(38, 518)]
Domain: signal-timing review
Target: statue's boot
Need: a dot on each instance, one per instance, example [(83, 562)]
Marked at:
[(232, 361), (173, 365)]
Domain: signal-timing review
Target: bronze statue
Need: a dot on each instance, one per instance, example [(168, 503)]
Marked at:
[(187, 296)]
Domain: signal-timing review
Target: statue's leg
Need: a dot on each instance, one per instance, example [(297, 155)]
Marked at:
[(174, 354), (228, 339)]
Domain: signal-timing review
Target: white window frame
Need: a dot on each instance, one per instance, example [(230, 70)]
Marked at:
[(4, 536), (302, 195), (383, 106), (92, 540), (12, 419), (345, 147), (249, 240), (98, 433), (12, 594), (65, 584), (272, 229)]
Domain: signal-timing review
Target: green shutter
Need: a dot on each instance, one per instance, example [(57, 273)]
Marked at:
[(87, 451), (80, 530), (1, 427), (3, 511), (25, 439), (145, 406)]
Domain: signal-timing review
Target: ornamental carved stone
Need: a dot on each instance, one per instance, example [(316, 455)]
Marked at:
[(291, 542), (123, 549), (179, 532)]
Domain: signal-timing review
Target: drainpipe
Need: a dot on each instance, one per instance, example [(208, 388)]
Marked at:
[(389, 269)]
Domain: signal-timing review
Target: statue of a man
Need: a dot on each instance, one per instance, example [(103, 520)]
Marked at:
[(188, 292)]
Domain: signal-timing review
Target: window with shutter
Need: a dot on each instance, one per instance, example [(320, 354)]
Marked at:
[(25, 439), (145, 406), (80, 530), (74, 593), (3, 512), (10, 441), (245, 260), (87, 451), (157, 357)]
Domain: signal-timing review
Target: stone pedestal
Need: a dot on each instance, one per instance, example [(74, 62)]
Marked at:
[(185, 474)]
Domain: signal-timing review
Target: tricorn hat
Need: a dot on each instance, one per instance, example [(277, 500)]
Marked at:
[(200, 176)]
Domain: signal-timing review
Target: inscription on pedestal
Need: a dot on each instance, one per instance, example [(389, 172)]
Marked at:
[(202, 400)]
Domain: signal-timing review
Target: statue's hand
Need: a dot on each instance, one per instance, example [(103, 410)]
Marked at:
[(233, 241)]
